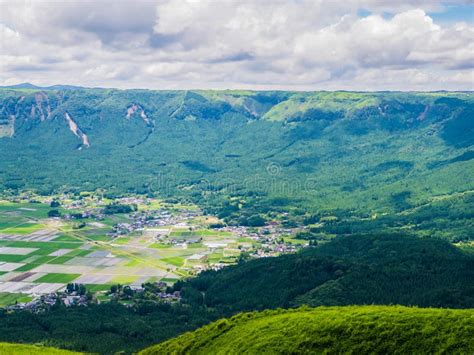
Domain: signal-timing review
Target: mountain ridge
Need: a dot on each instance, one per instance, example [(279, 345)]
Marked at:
[(241, 153)]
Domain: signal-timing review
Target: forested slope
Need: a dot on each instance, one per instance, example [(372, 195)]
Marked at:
[(359, 269), (239, 152)]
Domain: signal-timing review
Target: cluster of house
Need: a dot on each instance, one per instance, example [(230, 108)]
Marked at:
[(87, 213), (269, 238), (170, 297), (157, 290), (46, 301), (275, 249), (152, 219)]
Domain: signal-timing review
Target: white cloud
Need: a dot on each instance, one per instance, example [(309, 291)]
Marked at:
[(304, 44)]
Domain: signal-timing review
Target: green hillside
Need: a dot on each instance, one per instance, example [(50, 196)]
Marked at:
[(357, 269), (20, 349), (334, 330), (241, 153)]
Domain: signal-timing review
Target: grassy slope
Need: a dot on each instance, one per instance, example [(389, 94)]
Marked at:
[(374, 329), (17, 349)]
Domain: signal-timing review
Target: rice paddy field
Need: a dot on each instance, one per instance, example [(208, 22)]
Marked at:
[(40, 255)]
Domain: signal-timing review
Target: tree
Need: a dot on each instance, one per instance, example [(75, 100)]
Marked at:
[(81, 289), (54, 204), (127, 291), (255, 221), (70, 288), (54, 213)]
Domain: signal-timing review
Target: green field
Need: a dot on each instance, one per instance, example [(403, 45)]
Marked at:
[(45, 247), (17, 349), (11, 298), (26, 267), (176, 261), (23, 229), (123, 280), (9, 258), (332, 330), (160, 246), (58, 278), (75, 247), (178, 233), (60, 260), (97, 288)]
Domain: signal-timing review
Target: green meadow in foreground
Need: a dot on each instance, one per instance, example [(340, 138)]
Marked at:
[(366, 329), (16, 349)]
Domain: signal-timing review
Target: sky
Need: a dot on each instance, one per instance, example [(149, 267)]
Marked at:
[(365, 45)]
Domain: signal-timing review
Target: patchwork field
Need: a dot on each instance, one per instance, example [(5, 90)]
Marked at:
[(40, 255)]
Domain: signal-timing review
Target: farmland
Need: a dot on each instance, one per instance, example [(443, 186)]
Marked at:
[(41, 255)]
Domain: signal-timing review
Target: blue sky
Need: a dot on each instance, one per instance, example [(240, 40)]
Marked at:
[(454, 13), (210, 44)]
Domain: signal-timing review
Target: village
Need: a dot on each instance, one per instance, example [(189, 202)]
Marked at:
[(128, 242)]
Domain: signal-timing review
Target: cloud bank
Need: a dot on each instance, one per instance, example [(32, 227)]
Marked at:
[(177, 44)]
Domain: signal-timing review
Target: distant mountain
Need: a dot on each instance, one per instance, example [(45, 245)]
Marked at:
[(362, 157), (35, 87), (334, 330)]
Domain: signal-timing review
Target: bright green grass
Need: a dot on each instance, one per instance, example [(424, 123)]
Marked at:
[(60, 260), (159, 246), (134, 262), (38, 210), (124, 279), (328, 102), (176, 261), (97, 288), (215, 257), (7, 299), (333, 330), (27, 267), (58, 278), (78, 252), (201, 233), (44, 245), (195, 245), (25, 228), (122, 240), (7, 222), (11, 258), (18, 349)]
